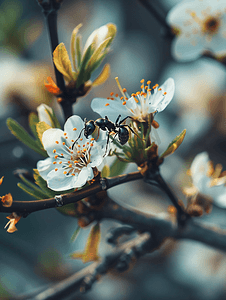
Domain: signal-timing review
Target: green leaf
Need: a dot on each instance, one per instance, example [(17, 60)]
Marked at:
[(34, 187), (174, 144), (41, 127), (75, 234), (92, 246), (33, 120), (24, 137), (105, 171), (54, 119), (78, 51), (68, 210), (73, 46), (97, 54), (29, 191), (43, 184), (103, 76), (62, 62), (99, 61), (118, 167), (82, 76)]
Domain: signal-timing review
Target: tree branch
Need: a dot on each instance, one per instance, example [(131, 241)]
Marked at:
[(26, 207)]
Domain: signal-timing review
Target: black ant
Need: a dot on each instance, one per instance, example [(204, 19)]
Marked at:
[(106, 125)]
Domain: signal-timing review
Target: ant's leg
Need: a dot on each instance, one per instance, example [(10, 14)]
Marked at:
[(116, 122), (107, 144), (133, 131), (124, 119), (77, 138)]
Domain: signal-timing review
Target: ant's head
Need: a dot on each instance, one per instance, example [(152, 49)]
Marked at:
[(89, 128)]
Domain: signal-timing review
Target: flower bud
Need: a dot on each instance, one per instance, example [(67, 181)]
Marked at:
[(44, 112)]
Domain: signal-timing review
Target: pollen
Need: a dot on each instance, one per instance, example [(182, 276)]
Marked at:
[(136, 100), (74, 129), (133, 95), (126, 98), (159, 89), (54, 150), (124, 103), (146, 87), (112, 98), (137, 93), (60, 162), (55, 156), (57, 142), (108, 98), (142, 81), (122, 98), (157, 85), (80, 139), (56, 169), (142, 86), (66, 137), (149, 81), (91, 144), (61, 154), (78, 151), (116, 95), (75, 162), (154, 87), (84, 149), (65, 172), (106, 104), (54, 162), (69, 162), (111, 94), (92, 139), (70, 166), (165, 93), (73, 174), (72, 141), (65, 133), (83, 146), (148, 90), (87, 143), (78, 146), (124, 90), (142, 93)]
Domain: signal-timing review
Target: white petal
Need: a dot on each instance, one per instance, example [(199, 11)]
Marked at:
[(169, 88), (112, 111), (70, 125), (85, 175), (45, 166), (58, 181), (184, 50), (43, 114), (101, 34), (199, 167), (52, 140)]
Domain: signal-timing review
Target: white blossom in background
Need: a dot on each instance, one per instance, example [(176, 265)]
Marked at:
[(207, 180), (139, 105), (199, 26), (72, 157)]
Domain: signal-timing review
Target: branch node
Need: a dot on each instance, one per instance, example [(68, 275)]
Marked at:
[(103, 184), (59, 200)]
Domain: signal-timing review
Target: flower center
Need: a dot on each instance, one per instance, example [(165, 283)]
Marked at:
[(211, 25)]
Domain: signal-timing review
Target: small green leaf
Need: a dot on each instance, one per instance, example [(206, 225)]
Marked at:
[(41, 127), (78, 51), (62, 62), (105, 171), (99, 61), (92, 246), (56, 123), (73, 46), (118, 167), (43, 184), (103, 76), (33, 120), (82, 76), (174, 144), (75, 234), (97, 54), (24, 137), (29, 191), (34, 187), (68, 210)]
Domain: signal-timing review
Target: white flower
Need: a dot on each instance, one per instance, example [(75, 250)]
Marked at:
[(44, 112), (139, 105), (199, 26), (207, 180), (70, 163)]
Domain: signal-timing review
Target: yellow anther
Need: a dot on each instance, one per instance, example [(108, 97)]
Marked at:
[(142, 86), (72, 141), (74, 129), (116, 95), (136, 100), (69, 147), (69, 161), (60, 162), (78, 146), (133, 95), (70, 166), (142, 93), (57, 142), (111, 94), (54, 162), (165, 93), (75, 162), (78, 151), (122, 98), (81, 139), (55, 156), (63, 143), (83, 146), (65, 172), (149, 81), (146, 87), (126, 98), (56, 169), (66, 137), (61, 154), (137, 93), (108, 98), (148, 90), (112, 98), (106, 104), (84, 150), (124, 103), (73, 174), (124, 90), (87, 143), (54, 150), (159, 89), (91, 144), (65, 133), (142, 81)]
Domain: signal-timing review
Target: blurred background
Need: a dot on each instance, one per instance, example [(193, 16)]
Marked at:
[(37, 255)]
